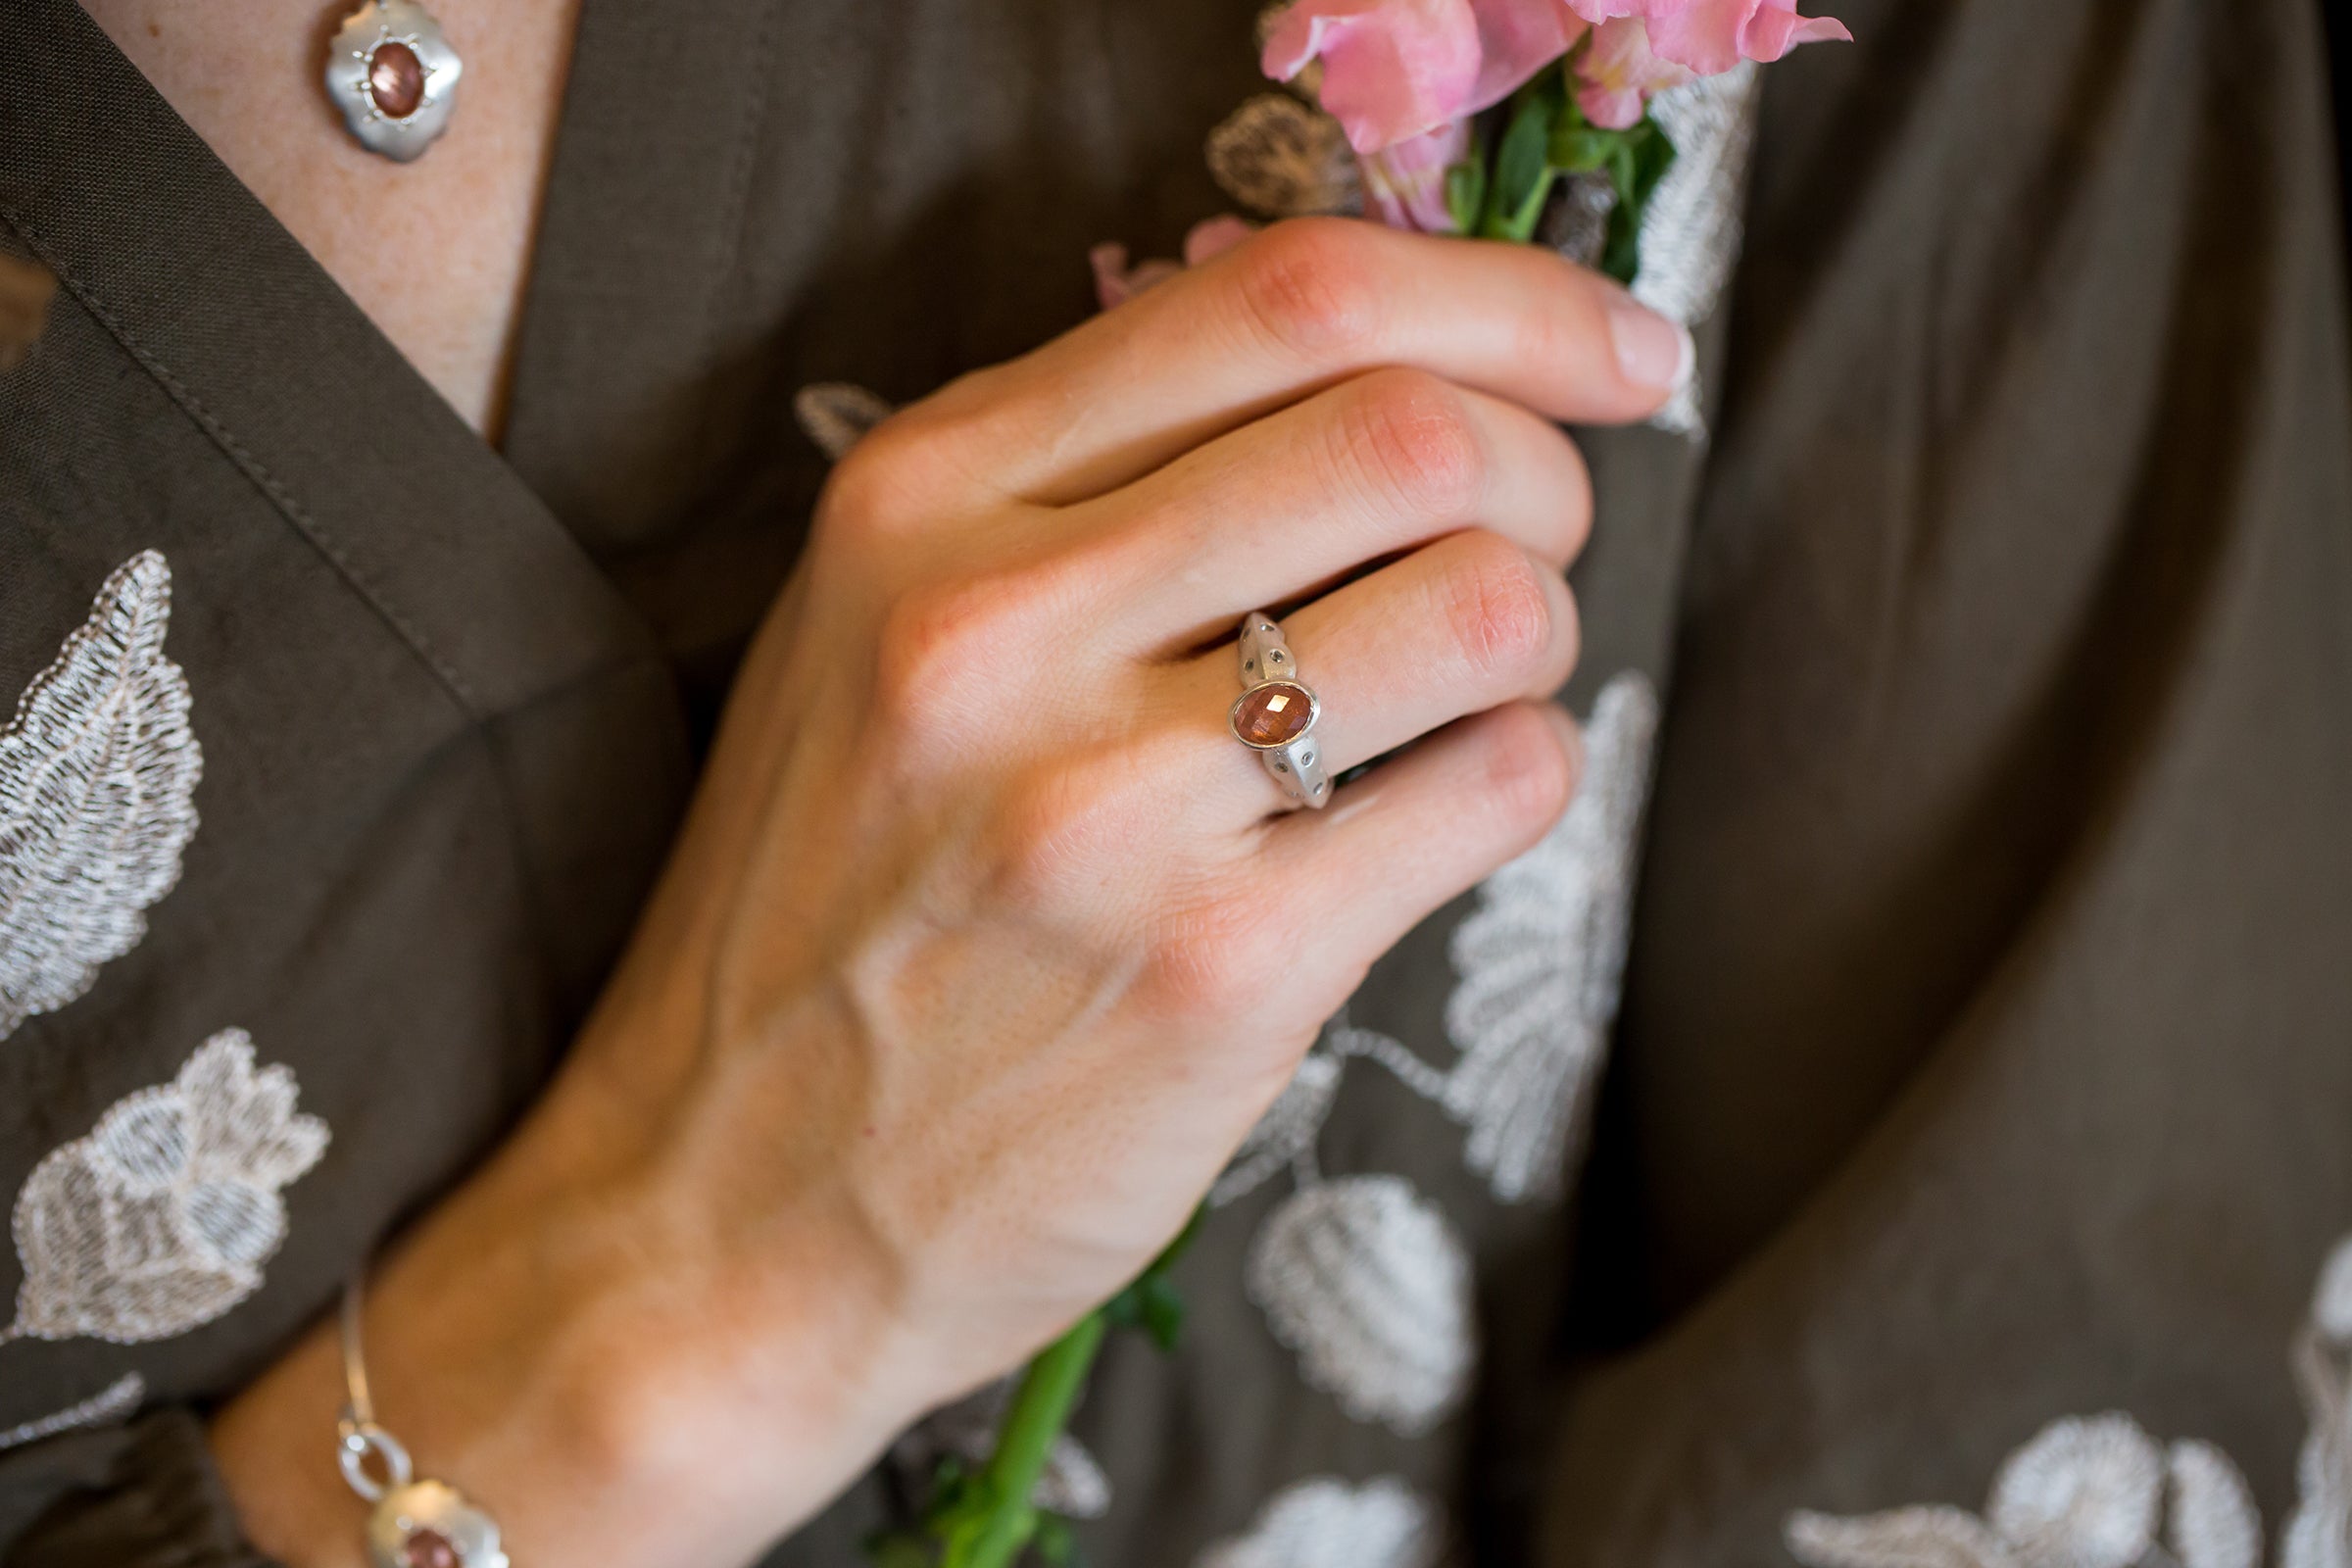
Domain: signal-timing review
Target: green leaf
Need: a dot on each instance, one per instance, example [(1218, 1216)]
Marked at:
[(897, 1549), (1523, 169), (1466, 191), (1636, 168), (1162, 1311), (1054, 1542)]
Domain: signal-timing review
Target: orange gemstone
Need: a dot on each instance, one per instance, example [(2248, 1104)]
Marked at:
[(1275, 713), (396, 81)]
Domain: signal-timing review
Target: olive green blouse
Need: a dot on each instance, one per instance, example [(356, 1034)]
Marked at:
[(1918, 1071)]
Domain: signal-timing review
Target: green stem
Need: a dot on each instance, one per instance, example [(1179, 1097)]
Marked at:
[(1040, 1408)]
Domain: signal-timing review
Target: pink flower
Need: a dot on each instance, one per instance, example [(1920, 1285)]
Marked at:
[(1397, 69), (1711, 36), (1404, 184), (1616, 74), (1116, 282)]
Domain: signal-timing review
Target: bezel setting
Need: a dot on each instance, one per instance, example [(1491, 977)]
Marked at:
[(405, 137), (435, 1509), (1314, 712)]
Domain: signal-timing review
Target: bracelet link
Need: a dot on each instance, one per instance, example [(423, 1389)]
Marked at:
[(413, 1524)]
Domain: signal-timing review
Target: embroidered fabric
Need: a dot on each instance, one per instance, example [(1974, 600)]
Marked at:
[(1691, 231), (1369, 1283), (162, 1217), (98, 773), (1540, 961), (2099, 1492), (1280, 158), (1326, 1523), (837, 414), (117, 1401), (1073, 1485)]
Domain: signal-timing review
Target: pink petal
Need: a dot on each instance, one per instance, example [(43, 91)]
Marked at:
[(1617, 74), (1516, 39), (1711, 36), (1392, 68), (1597, 12), (1773, 31), (1404, 186), (1704, 34), (1115, 282), (1213, 237)]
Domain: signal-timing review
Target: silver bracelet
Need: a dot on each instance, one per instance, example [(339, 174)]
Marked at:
[(415, 1524)]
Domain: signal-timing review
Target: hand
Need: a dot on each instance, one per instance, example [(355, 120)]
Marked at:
[(986, 942)]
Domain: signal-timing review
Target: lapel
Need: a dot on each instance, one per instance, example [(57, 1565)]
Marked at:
[(638, 237), (226, 311)]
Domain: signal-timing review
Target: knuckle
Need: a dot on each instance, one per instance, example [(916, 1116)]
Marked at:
[(876, 482), (1309, 286), (1215, 961), (1498, 607), (941, 648), (1059, 832), (1414, 434)]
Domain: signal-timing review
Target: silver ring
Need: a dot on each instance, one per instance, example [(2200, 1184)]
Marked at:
[(1275, 715)]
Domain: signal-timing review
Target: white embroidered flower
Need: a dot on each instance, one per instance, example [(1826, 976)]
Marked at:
[(1369, 1284), (109, 1406), (1325, 1523), (2318, 1533), (2331, 1299), (1691, 230), (2086, 1493), (160, 1220), (2211, 1520), (1540, 960), (98, 770)]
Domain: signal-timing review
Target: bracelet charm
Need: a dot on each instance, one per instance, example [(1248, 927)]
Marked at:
[(413, 1524)]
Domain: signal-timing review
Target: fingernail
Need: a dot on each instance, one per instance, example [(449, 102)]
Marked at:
[(1652, 352)]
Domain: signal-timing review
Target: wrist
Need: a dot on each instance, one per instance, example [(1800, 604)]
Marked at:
[(560, 1342)]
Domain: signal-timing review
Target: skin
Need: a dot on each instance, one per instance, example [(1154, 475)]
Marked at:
[(985, 943), (437, 251)]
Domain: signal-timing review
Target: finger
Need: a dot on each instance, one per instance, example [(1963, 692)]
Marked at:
[(1290, 310), (1288, 504), (1466, 623), (1422, 829)]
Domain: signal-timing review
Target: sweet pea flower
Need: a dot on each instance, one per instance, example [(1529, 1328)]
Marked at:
[(1116, 282), (1393, 70), (1711, 36), (1404, 183), (1616, 74)]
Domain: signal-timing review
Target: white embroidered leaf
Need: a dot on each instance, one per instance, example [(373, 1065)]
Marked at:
[(1904, 1537), (2086, 1493), (2332, 1301), (98, 771), (2210, 1518), (1369, 1284), (1540, 960), (1325, 1523), (1691, 230), (1280, 158), (110, 1404), (161, 1218), (837, 414), (1286, 1132)]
